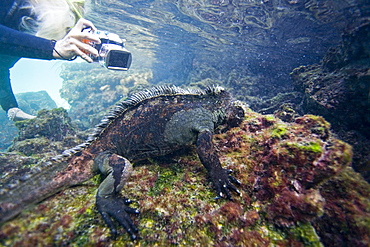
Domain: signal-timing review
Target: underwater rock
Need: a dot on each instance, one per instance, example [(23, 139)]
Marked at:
[(286, 112), (30, 102), (297, 190), (51, 132), (7, 132), (38, 139), (355, 45), (53, 124), (338, 89), (361, 148), (346, 210)]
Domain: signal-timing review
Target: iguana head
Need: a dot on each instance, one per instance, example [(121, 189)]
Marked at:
[(226, 110), (235, 113)]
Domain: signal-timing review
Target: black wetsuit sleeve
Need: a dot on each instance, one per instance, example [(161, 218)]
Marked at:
[(19, 44)]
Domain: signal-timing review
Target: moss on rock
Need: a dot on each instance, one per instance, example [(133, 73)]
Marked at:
[(296, 191)]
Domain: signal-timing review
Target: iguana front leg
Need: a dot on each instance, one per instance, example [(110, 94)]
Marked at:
[(220, 177), (108, 201)]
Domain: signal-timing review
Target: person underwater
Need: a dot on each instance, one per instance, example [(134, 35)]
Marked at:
[(40, 29)]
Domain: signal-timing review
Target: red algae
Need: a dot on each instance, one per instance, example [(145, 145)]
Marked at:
[(297, 189)]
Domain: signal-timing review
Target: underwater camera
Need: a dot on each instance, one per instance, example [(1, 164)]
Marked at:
[(111, 50)]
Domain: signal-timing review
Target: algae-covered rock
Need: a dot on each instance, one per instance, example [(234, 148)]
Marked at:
[(38, 139), (296, 190), (346, 211), (338, 89), (30, 102), (7, 132), (54, 125), (50, 132)]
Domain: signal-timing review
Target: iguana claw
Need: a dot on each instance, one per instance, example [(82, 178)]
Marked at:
[(114, 207)]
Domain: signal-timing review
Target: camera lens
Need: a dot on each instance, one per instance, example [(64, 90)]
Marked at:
[(118, 60)]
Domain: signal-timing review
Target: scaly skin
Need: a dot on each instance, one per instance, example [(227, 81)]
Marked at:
[(151, 123), (53, 177)]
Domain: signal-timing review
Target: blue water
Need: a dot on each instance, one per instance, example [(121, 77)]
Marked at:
[(175, 37), (250, 46), (179, 41), (32, 75), (265, 37)]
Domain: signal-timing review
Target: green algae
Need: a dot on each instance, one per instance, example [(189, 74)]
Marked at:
[(273, 234), (347, 151), (306, 146), (56, 220), (270, 118), (306, 233), (165, 180), (278, 131)]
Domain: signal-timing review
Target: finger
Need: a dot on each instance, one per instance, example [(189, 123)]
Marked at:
[(82, 54), (76, 31), (87, 23), (83, 23), (218, 188), (80, 25), (86, 48), (83, 50), (78, 35), (85, 35), (86, 57)]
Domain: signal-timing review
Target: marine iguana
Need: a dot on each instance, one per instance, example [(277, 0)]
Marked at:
[(151, 123)]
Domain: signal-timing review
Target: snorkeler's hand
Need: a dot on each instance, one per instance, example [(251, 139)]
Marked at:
[(73, 43)]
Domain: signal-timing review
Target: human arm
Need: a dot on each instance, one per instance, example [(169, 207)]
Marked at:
[(19, 44)]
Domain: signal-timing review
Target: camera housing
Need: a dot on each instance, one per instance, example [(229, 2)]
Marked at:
[(112, 52)]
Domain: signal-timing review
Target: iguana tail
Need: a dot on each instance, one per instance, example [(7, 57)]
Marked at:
[(34, 187)]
